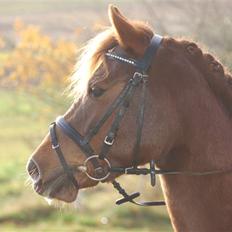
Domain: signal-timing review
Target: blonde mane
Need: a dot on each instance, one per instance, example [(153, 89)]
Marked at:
[(92, 56)]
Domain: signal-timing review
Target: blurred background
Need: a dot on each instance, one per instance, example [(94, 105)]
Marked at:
[(39, 41)]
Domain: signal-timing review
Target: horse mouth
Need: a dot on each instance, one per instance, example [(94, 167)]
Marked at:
[(57, 187)]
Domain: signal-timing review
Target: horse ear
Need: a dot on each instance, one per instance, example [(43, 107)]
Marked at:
[(128, 35)]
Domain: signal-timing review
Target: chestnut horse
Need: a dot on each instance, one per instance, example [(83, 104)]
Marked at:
[(187, 124)]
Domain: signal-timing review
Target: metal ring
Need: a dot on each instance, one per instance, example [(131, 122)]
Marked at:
[(92, 177)]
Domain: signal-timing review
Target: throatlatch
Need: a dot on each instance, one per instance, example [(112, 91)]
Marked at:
[(119, 106)]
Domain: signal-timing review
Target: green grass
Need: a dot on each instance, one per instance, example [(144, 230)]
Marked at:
[(23, 121)]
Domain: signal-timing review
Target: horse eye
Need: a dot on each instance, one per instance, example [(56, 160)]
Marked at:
[(96, 91)]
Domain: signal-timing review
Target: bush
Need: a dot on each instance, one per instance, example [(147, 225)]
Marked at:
[(36, 61)]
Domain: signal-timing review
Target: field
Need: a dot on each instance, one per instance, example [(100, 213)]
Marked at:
[(26, 111)]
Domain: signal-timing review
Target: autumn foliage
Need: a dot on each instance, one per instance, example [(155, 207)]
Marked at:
[(36, 60)]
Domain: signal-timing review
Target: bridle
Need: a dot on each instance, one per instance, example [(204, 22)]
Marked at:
[(119, 106)]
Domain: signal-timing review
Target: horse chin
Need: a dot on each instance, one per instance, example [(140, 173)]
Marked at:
[(60, 190), (67, 195)]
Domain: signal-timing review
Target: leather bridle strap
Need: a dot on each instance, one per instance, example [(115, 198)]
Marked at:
[(77, 138), (121, 103), (93, 131), (140, 119), (142, 67), (56, 147), (112, 133), (130, 198), (144, 63), (83, 141)]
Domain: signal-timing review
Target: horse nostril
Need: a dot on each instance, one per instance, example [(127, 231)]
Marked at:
[(33, 170)]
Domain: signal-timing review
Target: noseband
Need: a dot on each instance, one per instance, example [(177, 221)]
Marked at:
[(102, 167)]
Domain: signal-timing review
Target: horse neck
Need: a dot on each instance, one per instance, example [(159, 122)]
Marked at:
[(201, 203)]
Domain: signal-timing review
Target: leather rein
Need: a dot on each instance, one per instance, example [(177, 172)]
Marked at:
[(119, 106)]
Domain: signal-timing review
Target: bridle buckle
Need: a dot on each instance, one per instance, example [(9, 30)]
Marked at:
[(54, 147), (109, 141), (127, 170), (138, 77)]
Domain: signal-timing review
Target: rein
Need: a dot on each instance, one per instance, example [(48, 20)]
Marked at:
[(119, 106)]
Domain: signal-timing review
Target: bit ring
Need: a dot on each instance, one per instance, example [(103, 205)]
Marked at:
[(93, 177)]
